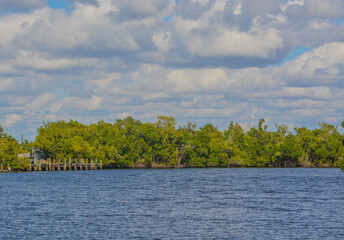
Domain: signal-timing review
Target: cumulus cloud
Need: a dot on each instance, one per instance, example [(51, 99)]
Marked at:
[(321, 66), (41, 101), (162, 41), (201, 2), (76, 104), (203, 61), (315, 8), (11, 119), (237, 9), (86, 33), (258, 43)]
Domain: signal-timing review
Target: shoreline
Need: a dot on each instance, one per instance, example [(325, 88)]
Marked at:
[(178, 167)]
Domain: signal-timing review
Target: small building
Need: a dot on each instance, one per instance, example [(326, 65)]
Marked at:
[(36, 154), (24, 155)]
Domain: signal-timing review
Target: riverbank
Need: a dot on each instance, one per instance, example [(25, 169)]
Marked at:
[(156, 166), (83, 167)]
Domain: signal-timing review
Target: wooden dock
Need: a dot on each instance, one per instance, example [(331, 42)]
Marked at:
[(50, 166), (47, 165), (4, 170)]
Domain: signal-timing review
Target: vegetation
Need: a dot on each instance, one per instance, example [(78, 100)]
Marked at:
[(130, 143), (9, 152)]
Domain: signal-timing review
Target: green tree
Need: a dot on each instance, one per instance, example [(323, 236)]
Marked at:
[(130, 143), (1, 131), (167, 153), (9, 153), (237, 141)]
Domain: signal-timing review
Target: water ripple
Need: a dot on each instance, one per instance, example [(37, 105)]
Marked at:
[(173, 204)]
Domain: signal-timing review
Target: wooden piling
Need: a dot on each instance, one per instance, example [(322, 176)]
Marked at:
[(81, 162), (58, 166), (2, 167), (49, 165)]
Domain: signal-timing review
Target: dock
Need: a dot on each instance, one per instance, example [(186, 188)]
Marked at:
[(4, 170), (47, 165)]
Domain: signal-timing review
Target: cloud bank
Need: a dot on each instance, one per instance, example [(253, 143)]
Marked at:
[(202, 61)]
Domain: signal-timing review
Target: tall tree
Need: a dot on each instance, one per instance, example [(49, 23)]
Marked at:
[(1, 131)]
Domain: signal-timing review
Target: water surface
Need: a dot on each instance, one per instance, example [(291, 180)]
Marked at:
[(173, 204)]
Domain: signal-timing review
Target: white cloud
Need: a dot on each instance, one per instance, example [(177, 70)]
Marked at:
[(202, 2), (261, 44), (198, 60), (12, 119), (41, 101), (146, 7), (237, 9), (315, 8), (163, 41), (324, 63), (27, 59), (206, 80), (291, 3), (77, 104), (155, 96)]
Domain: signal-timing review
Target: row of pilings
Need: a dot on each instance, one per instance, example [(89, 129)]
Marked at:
[(4, 168), (52, 165)]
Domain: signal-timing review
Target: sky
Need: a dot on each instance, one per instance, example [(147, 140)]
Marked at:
[(201, 61)]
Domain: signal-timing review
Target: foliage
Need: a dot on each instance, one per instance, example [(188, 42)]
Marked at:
[(9, 152), (131, 143)]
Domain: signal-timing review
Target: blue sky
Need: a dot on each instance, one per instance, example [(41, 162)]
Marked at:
[(59, 4), (297, 51), (202, 61)]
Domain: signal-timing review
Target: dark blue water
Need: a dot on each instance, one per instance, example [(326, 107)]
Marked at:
[(173, 204)]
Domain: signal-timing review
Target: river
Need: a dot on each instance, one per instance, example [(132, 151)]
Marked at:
[(298, 203)]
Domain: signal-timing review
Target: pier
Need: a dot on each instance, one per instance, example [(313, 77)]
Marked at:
[(48, 165), (6, 169)]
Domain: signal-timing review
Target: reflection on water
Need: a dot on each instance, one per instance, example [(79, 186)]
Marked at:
[(173, 204)]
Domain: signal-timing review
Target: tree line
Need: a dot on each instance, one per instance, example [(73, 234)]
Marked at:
[(130, 143)]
